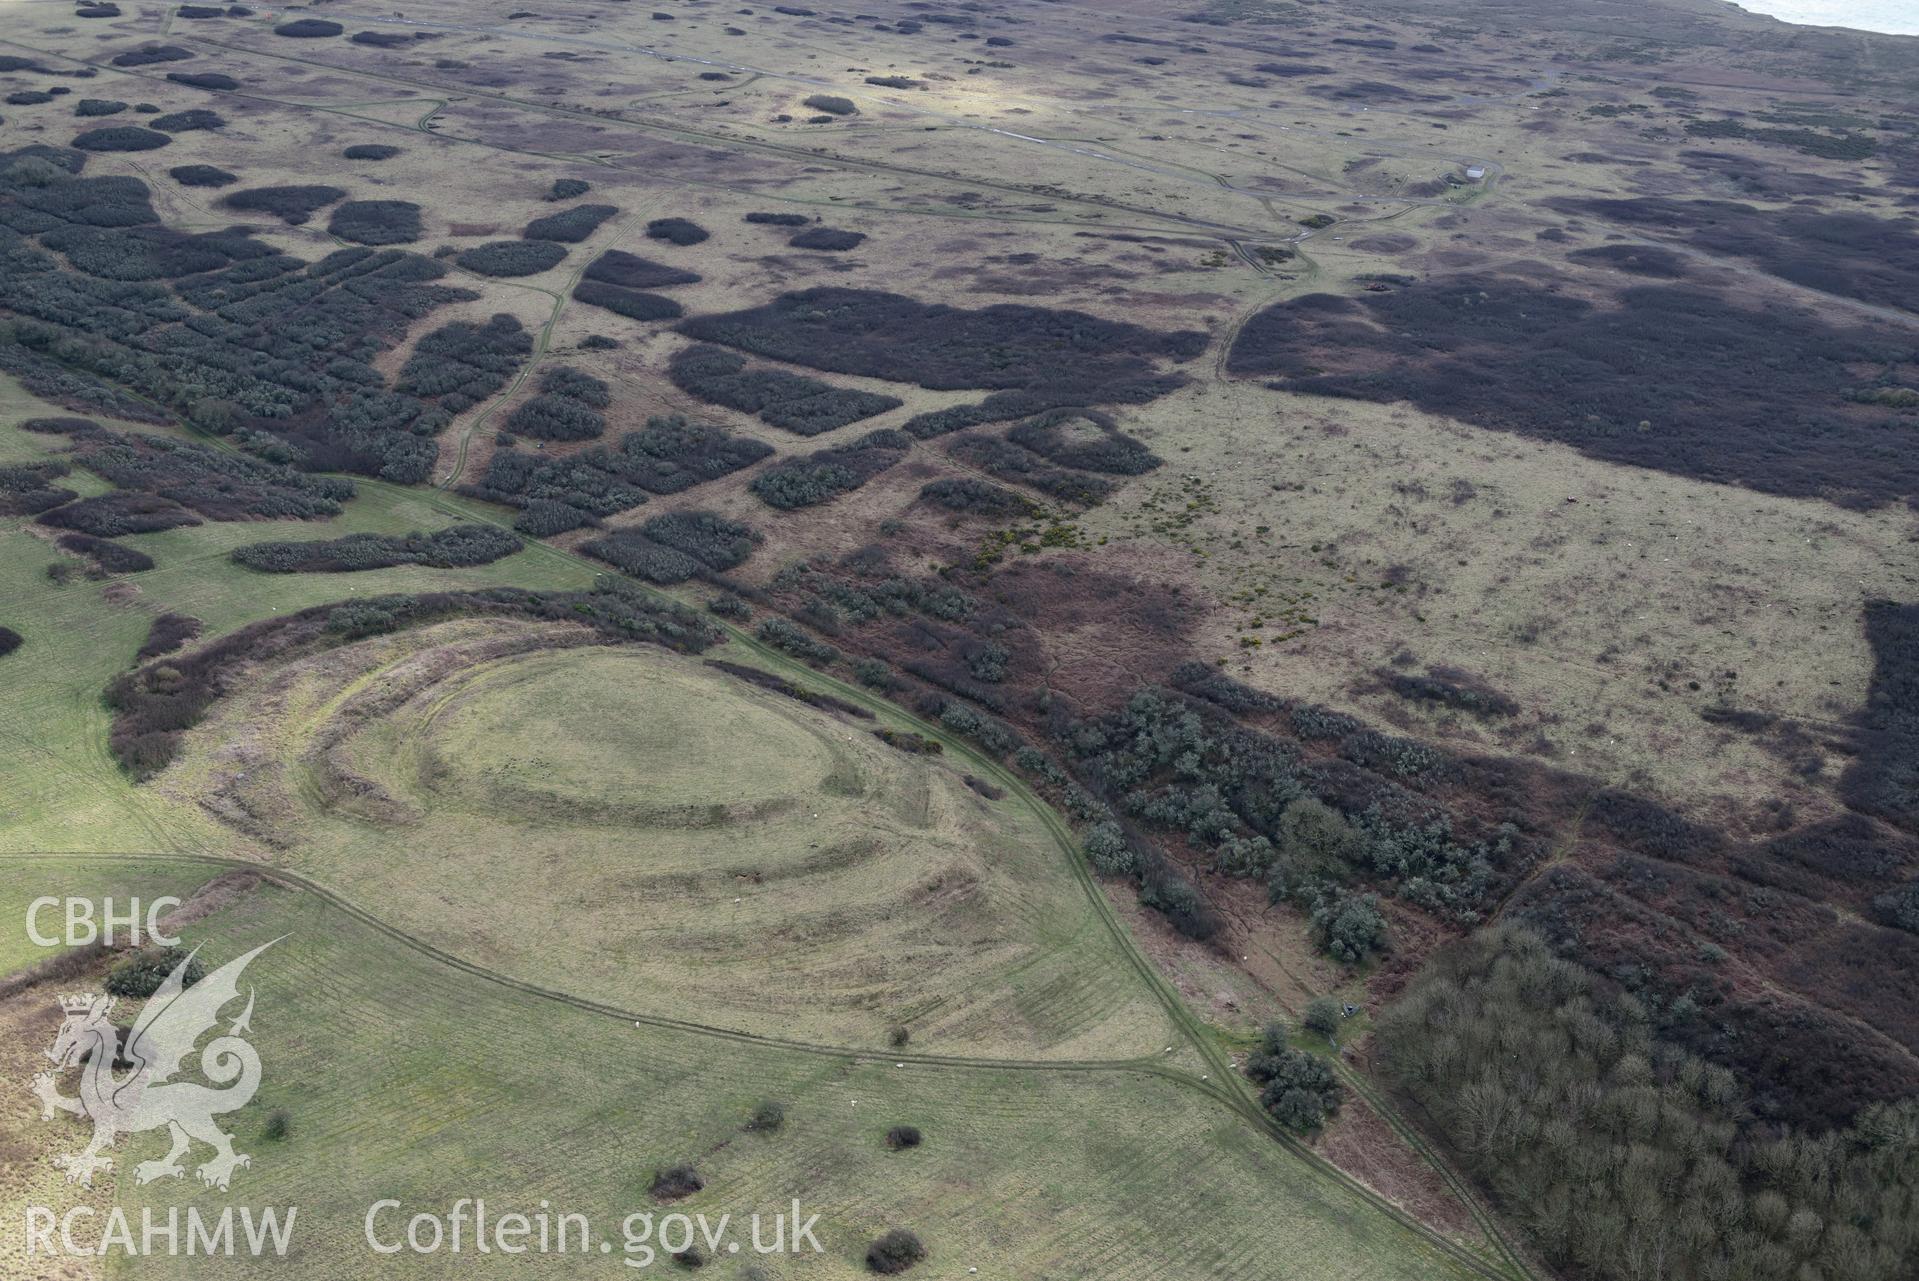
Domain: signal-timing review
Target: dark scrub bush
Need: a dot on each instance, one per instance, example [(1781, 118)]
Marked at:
[(676, 231), (202, 176), (512, 257), (121, 138)]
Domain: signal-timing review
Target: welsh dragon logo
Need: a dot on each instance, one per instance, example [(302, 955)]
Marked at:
[(147, 1096)]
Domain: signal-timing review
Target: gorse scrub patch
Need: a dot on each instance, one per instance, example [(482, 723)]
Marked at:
[(667, 456), (168, 633), (98, 107), (1883, 778), (117, 514), (184, 478), (1766, 405), (108, 557), (676, 231), (463, 363), (1085, 440), (1010, 462), (203, 80), (832, 104), (894, 1252), (188, 121), (202, 176), (794, 402), (814, 478), (147, 55), (376, 222), (716, 541), (121, 138), (293, 204), (569, 226), (568, 188), (10, 641), (585, 388), (977, 497), (676, 547), (141, 974), (676, 1182), (827, 240), (631, 303), (512, 257), (1035, 358), (370, 151), (565, 409), (27, 489), (308, 28), (617, 267), (1298, 1089), (456, 547)]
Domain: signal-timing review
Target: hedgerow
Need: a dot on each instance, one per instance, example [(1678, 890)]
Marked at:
[(456, 547)]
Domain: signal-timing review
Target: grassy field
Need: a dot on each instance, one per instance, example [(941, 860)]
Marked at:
[(58, 788), (551, 823), (630, 824), (637, 829), (409, 1079)]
